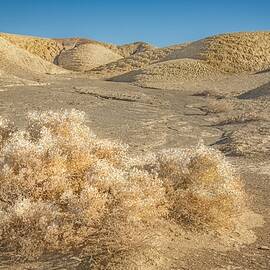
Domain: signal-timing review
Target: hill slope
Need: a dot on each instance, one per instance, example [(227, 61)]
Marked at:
[(45, 48), (172, 71), (19, 62), (86, 56), (134, 48), (234, 53), (133, 62)]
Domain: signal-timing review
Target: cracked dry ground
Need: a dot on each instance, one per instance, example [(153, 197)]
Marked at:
[(146, 119)]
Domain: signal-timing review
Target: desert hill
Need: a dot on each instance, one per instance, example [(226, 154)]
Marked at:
[(234, 52), (79, 55), (45, 48), (86, 56), (134, 48), (21, 63), (204, 59), (179, 70), (51, 49), (70, 43), (140, 62), (134, 62)]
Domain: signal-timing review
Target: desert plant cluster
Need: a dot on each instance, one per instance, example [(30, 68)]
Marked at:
[(64, 190)]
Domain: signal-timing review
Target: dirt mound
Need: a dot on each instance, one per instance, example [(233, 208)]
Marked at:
[(86, 57), (180, 70), (45, 48), (133, 48), (235, 52), (133, 62), (260, 92), (18, 62)]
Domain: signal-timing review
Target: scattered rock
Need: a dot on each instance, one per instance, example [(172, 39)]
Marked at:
[(264, 248)]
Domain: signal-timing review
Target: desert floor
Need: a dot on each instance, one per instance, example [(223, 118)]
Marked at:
[(150, 119)]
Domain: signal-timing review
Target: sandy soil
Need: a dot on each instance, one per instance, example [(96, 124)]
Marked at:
[(149, 119)]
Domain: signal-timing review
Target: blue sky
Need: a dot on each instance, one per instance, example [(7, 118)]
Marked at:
[(160, 22)]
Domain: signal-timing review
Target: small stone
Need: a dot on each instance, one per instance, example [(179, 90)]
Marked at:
[(264, 248)]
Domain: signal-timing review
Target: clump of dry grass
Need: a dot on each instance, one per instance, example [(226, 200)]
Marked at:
[(64, 190), (202, 189)]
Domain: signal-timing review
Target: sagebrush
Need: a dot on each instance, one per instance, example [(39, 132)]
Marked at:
[(65, 190)]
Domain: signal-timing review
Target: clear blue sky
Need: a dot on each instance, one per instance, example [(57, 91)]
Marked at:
[(160, 22)]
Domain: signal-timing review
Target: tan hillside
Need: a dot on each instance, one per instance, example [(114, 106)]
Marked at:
[(124, 50), (134, 62), (70, 43), (179, 70), (45, 48), (134, 48), (234, 53), (86, 56), (21, 63)]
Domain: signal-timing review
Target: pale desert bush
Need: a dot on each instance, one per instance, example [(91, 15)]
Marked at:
[(64, 190), (202, 189)]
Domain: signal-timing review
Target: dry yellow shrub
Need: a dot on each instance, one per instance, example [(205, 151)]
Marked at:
[(202, 189), (64, 190)]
